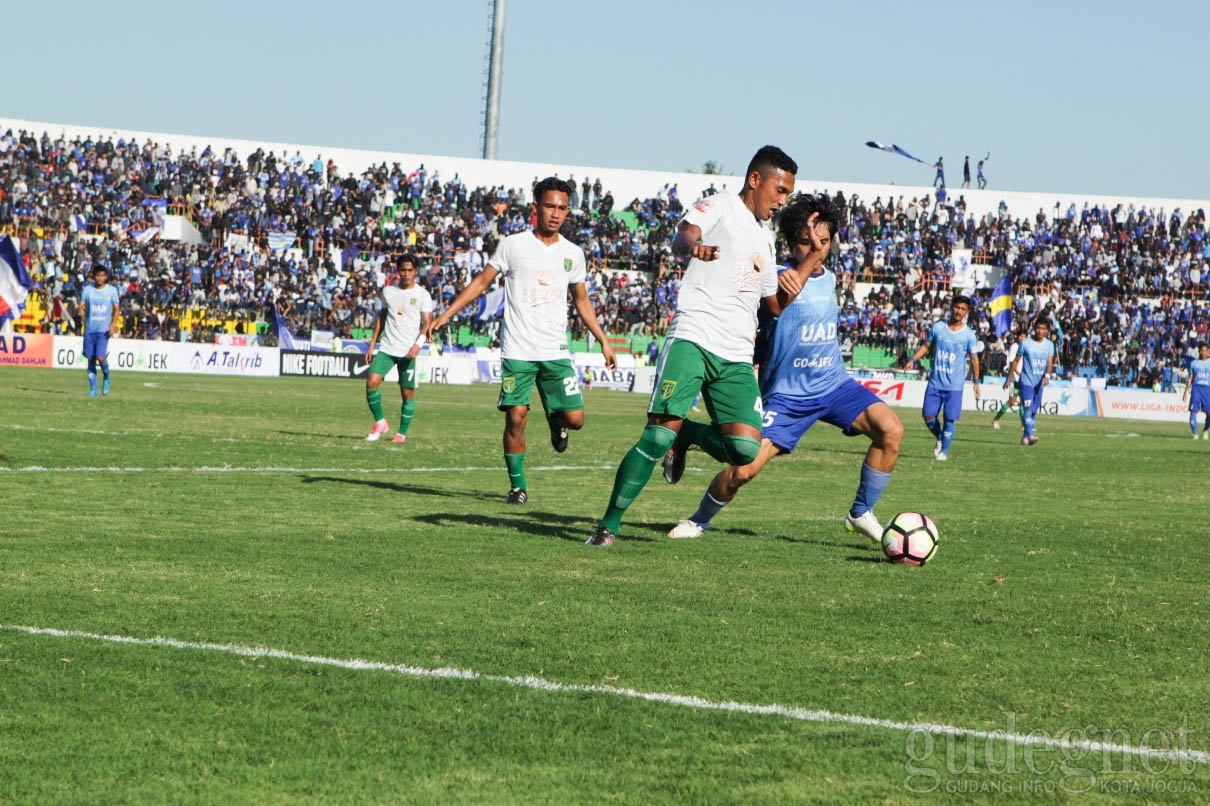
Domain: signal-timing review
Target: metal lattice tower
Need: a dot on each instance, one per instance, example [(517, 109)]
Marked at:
[(494, 75)]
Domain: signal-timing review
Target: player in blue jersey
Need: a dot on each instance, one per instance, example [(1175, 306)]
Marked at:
[(951, 342), (803, 378), (1197, 391), (1034, 361), (99, 312)]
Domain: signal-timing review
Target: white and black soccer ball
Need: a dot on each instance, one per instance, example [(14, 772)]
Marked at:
[(910, 539)]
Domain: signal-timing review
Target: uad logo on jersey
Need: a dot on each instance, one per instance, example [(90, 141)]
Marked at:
[(750, 274)]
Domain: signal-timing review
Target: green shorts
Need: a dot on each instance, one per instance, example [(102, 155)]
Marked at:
[(729, 388), (557, 384), (383, 362)]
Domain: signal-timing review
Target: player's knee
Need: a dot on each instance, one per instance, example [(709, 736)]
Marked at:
[(373, 382), (889, 434), (516, 417), (740, 450), (573, 419), (655, 441), (743, 474)]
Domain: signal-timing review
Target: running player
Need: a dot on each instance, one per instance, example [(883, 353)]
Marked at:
[(1035, 361), (1012, 400), (710, 340), (540, 267), (951, 343), (1197, 391), (99, 312), (407, 311), (803, 378)]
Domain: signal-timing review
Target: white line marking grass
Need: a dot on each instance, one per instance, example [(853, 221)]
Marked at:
[(541, 684), (230, 469)]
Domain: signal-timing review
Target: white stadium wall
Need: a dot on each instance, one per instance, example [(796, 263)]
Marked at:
[(625, 184)]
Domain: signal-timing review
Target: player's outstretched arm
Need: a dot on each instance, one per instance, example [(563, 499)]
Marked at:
[(474, 289), (579, 296), (689, 242)]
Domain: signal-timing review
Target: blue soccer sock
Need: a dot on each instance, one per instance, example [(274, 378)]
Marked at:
[(105, 369), (1028, 419), (92, 373), (873, 482), (933, 425), (947, 436), (1193, 422), (707, 509)]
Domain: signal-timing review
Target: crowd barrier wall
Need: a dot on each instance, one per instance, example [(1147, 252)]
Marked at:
[(483, 366)]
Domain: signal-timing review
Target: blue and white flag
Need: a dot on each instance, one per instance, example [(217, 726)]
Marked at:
[(146, 235), (79, 223), (15, 281), (285, 339), (491, 304), (281, 241), (894, 149)]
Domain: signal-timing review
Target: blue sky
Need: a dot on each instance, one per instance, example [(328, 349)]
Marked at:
[(1075, 96)]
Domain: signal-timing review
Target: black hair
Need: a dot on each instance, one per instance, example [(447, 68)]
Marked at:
[(408, 257), (770, 159), (96, 267), (548, 184), (792, 219), (963, 298)]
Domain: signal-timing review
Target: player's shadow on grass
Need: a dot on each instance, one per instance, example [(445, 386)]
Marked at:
[(533, 522), (831, 544), (44, 391), (391, 486), (316, 434)]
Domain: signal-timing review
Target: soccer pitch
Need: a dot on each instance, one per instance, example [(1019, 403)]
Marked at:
[(347, 621)]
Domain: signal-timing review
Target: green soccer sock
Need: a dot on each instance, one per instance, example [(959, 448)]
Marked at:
[(1002, 411), (405, 418), (706, 437), (515, 462), (634, 471), (374, 398)]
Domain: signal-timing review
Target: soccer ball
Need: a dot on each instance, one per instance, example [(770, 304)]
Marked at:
[(910, 538)]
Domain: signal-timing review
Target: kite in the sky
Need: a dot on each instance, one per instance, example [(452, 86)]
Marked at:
[(894, 149)]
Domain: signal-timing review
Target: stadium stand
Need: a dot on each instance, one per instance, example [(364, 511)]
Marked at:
[(205, 240)]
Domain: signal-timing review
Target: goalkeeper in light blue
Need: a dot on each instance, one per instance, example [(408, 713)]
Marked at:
[(1035, 360), (951, 343)]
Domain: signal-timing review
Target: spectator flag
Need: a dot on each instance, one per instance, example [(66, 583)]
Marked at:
[(1002, 307), (15, 282), (281, 241), (491, 304), (79, 223), (894, 149), (285, 339), (146, 235)]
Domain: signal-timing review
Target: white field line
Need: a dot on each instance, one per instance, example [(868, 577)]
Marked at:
[(541, 684), (231, 469)]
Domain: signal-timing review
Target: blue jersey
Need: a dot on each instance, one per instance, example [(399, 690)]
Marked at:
[(804, 357), (1199, 373), (98, 307), (1035, 355), (950, 349)]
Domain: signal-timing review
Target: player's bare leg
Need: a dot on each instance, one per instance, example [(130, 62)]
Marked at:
[(722, 490)]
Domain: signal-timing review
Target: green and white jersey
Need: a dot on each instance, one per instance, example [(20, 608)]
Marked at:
[(536, 277), (403, 308), (717, 305)]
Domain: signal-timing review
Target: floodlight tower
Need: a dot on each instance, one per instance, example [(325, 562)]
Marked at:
[(495, 70)]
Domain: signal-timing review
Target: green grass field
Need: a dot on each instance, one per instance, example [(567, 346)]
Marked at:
[(1068, 599)]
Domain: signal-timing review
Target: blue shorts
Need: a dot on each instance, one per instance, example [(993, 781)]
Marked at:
[(936, 400), (1199, 399), (96, 345), (788, 418), (1030, 397)]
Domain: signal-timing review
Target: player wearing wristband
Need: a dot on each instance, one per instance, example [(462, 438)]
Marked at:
[(540, 268), (407, 311)]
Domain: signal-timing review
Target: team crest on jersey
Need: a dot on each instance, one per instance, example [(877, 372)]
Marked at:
[(566, 264), (666, 389), (507, 385), (413, 302)]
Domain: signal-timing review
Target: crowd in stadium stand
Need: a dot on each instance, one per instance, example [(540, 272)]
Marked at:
[(1127, 287)]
